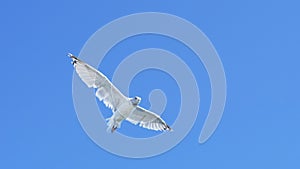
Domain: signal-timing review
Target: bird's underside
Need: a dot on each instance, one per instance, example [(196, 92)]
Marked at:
[(123, 108)]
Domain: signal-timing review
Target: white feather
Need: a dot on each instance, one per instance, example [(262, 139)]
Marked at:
[(121, 106)]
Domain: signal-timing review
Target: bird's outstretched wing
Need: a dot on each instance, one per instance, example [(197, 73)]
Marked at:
[(106, 91), (148, 119)]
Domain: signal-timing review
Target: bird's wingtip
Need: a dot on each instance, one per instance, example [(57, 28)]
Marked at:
[(74, 58), (168, 128), (71, 56)]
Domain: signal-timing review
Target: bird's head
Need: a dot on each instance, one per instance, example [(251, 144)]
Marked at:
[(136, 100)]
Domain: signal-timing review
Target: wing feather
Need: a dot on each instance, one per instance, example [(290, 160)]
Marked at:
[(106, 91), (147, 119)]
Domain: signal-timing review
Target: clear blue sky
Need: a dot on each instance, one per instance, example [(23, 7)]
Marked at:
[(257, 41)]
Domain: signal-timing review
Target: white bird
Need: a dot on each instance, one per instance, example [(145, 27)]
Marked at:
[(123, 108)]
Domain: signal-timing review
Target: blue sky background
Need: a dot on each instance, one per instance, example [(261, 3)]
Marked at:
[(257, 41)]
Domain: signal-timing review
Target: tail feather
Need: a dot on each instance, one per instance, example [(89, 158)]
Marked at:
[(112, 125)]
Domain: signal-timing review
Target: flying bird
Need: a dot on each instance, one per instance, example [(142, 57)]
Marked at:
[(123, 108)]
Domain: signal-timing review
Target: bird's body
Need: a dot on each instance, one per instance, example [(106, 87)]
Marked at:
[(119, 114), (123, 108)]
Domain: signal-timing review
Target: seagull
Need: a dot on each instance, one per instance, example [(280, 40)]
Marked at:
[(123, 108)]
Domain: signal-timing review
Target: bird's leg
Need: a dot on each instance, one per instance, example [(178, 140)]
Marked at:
[(113, 129)]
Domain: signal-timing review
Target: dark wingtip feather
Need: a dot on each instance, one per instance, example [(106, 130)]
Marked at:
[(74, 58), (167, 127)]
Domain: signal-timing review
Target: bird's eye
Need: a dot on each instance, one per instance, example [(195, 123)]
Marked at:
[(135, 98)]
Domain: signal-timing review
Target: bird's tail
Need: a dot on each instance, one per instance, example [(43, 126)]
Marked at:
[(112, 124)]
